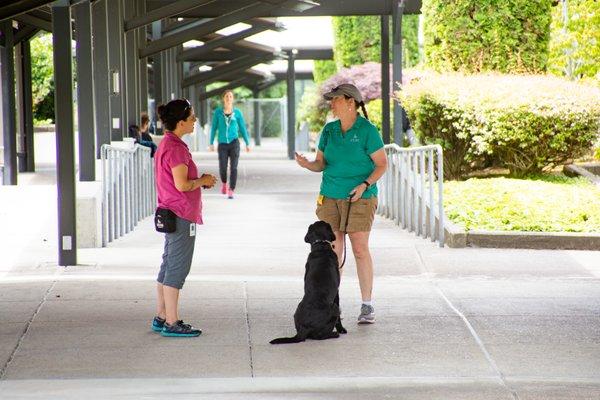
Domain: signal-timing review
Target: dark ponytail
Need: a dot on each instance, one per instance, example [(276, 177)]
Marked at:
[(173, 112), (364, 109)]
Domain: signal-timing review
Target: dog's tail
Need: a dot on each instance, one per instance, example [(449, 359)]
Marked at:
[(284, 340)]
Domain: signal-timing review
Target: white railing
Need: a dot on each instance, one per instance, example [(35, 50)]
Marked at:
[(410, 192), (128, 191)]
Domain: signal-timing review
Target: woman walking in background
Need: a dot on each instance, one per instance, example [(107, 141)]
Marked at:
[(227, 124)]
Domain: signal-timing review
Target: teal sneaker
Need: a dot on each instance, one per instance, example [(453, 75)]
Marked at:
[(179, 329), (157, 324)]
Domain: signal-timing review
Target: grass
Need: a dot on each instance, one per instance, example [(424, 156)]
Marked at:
[(545, 203)]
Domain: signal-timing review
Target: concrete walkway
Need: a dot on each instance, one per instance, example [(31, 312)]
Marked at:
[(452, 323)]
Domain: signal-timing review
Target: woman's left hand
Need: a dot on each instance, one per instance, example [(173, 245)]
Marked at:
[(357, 192), (247, 149)]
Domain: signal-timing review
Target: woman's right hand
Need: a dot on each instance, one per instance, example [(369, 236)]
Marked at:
[(211, 148), (301, 160), (207, 181)]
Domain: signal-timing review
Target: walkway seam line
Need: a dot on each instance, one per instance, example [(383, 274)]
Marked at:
[(248, 328), (468, 325), (26, 330)]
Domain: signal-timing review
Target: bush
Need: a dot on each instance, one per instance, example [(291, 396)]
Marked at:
[(528, 122), (42, 78), (487, 35)]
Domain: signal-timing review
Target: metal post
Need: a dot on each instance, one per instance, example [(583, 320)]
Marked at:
[(65, 147), (203, 106), (7, 76), (115, 45), (291, 105), (25, 101), (256, 110), (385, 78), (143, 62), (85, 92), (397, 69), (157, 71), (102, 100), (131, 67)]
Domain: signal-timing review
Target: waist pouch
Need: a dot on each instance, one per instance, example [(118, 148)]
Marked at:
[(165, 220)]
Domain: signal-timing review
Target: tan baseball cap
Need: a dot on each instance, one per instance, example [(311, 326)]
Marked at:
[(345, 89)]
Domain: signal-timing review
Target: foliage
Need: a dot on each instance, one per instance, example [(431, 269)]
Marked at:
[(312, 110), (42, 77), (374, 110), (575, 48), (487, 35), (358, 40), (323, 69), (528, 122), (542, 204)]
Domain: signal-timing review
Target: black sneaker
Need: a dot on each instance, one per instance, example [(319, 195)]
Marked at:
[(157, 324), (179, 329)]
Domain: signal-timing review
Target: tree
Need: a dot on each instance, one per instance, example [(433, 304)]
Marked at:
[(42, 77), (487, 35), (575, 39)]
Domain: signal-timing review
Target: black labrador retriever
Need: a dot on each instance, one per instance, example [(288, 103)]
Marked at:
[(319, 311)]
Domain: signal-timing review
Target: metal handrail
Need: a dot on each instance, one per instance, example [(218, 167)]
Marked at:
[(128, 191), (407, 190)]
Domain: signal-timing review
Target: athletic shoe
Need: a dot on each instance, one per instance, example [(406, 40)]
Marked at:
[(224, 188), (179, 329), (157, 324), (230, 193), (367, 314)]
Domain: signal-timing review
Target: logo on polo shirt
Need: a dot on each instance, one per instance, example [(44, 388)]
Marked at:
[(354, 139)]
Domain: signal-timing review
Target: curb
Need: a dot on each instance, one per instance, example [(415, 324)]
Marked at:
[(456, 237)]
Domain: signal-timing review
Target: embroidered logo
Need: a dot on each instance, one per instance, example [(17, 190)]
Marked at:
[(354, 139)]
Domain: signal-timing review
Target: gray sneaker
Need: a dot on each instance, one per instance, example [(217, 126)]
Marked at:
[(367, 314)]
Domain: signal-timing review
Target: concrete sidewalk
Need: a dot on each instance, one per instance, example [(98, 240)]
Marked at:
[(451, 323)]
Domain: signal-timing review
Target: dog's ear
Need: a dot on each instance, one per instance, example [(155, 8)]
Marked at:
[(310, 234), (330, 234)]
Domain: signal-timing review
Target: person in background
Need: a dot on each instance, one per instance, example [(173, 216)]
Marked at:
[(228, 122), (178, 189)]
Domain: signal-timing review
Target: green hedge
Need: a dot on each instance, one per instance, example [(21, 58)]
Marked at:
[(526, 123), (487, 35)]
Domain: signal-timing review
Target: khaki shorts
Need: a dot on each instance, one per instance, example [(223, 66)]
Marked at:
[(334, 211)]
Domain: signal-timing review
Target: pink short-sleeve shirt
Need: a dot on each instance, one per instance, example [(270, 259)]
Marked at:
[(172, 152)]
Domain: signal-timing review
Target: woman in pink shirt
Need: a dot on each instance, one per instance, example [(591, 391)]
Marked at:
[(178, 190)]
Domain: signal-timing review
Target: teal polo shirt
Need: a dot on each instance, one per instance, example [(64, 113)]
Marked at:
[(347, 157)]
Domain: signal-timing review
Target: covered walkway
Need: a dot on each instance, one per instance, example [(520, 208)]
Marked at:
[(452, 323)]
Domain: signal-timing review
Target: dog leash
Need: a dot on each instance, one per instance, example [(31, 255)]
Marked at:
[(346, 230)]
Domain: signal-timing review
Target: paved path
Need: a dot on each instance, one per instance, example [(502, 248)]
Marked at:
[(452, 323)]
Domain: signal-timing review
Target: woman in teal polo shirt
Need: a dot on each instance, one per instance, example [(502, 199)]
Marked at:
[(228, 122), (352, 159)]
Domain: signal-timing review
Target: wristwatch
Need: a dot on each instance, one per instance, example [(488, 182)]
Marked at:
[(367, 183)]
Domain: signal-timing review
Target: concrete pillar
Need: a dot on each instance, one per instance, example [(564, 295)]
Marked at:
[(7, 79)]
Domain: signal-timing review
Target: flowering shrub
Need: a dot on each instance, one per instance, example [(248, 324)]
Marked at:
[(527, 122)]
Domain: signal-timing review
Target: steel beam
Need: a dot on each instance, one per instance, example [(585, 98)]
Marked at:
[(35, 21), (118, 107), (205, 27), (230, 86), (385, 78), (291, 106), (239, 64), (102, 97), (65, 146), (256, 111), (166, 11), (25, 149), (223, 41), (7, 80), (16, 8), (143, 62), (131, 68), (85, 92), (24, 34)]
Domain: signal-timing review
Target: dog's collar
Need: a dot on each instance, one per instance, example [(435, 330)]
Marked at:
[(320, 241)]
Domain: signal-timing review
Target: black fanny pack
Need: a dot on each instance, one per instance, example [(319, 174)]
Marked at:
[(165, 220)]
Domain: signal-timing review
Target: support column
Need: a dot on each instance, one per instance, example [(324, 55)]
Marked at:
[(203, 106), (102, 96), (157, 66), (397, 69), (385, 78), (65, 146), (131, 69), (143, 62), (116, 72), (291, 105), (25, 102), (85, 92), (7, 80), (256, 106)]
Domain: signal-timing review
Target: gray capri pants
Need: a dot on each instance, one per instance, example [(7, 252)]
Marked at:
[(178, 253)]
